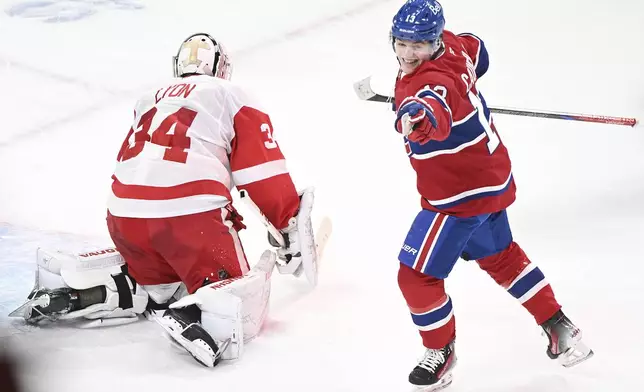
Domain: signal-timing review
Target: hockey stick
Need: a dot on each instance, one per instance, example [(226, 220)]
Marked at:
[(365, 92), (269, 226)]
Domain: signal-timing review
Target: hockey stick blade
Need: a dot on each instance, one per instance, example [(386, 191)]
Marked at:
[(365, 92)]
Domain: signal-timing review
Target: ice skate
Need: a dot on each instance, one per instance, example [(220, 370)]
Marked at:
[(184, 328), (565, 343), (434, 371), (46, 304)]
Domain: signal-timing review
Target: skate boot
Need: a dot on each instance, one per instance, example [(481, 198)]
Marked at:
[(46, 304), (183, 326), (565, 343), (434, 371)]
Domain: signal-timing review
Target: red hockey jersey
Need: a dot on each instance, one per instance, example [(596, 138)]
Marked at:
[(465, 169), (191, 142)]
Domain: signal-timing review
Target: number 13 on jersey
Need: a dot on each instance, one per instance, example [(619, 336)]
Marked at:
[(493, 139)]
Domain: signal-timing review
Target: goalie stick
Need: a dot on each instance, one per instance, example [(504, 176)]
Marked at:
[(364, 91)]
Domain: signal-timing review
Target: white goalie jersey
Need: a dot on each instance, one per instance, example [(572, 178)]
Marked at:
[(191, 142)]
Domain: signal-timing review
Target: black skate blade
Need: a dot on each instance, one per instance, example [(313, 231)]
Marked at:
[(443, 383)]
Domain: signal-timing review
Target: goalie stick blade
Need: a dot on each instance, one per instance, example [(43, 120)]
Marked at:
[(365, 92), (322, 236)]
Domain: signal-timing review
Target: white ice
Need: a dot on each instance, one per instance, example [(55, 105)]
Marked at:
[(70, 72)]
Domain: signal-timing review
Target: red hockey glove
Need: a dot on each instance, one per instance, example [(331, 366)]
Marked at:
[(415, 119)]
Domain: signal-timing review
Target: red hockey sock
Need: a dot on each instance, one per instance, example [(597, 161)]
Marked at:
[(513, 270), (429, 305)]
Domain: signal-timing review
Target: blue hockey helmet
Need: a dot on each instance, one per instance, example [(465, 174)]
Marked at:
[(419, 20)]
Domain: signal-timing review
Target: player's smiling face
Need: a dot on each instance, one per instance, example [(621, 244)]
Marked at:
[(411, 53)]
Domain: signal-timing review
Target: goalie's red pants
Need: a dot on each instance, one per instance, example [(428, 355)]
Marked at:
[(189, 248), (431, 308)]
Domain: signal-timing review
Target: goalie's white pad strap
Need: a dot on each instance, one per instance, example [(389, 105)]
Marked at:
[(235, 308), (123, 300)]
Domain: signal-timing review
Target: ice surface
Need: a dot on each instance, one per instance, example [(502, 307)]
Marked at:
[(70, 72)]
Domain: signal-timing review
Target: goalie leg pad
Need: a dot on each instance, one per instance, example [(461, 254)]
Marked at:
[(234, 310)]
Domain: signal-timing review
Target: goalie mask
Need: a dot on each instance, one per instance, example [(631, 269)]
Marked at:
[(200, 54)]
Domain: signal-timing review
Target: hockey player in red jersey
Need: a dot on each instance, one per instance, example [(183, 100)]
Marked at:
[(178, 258), (465, 180), (170, 214)]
